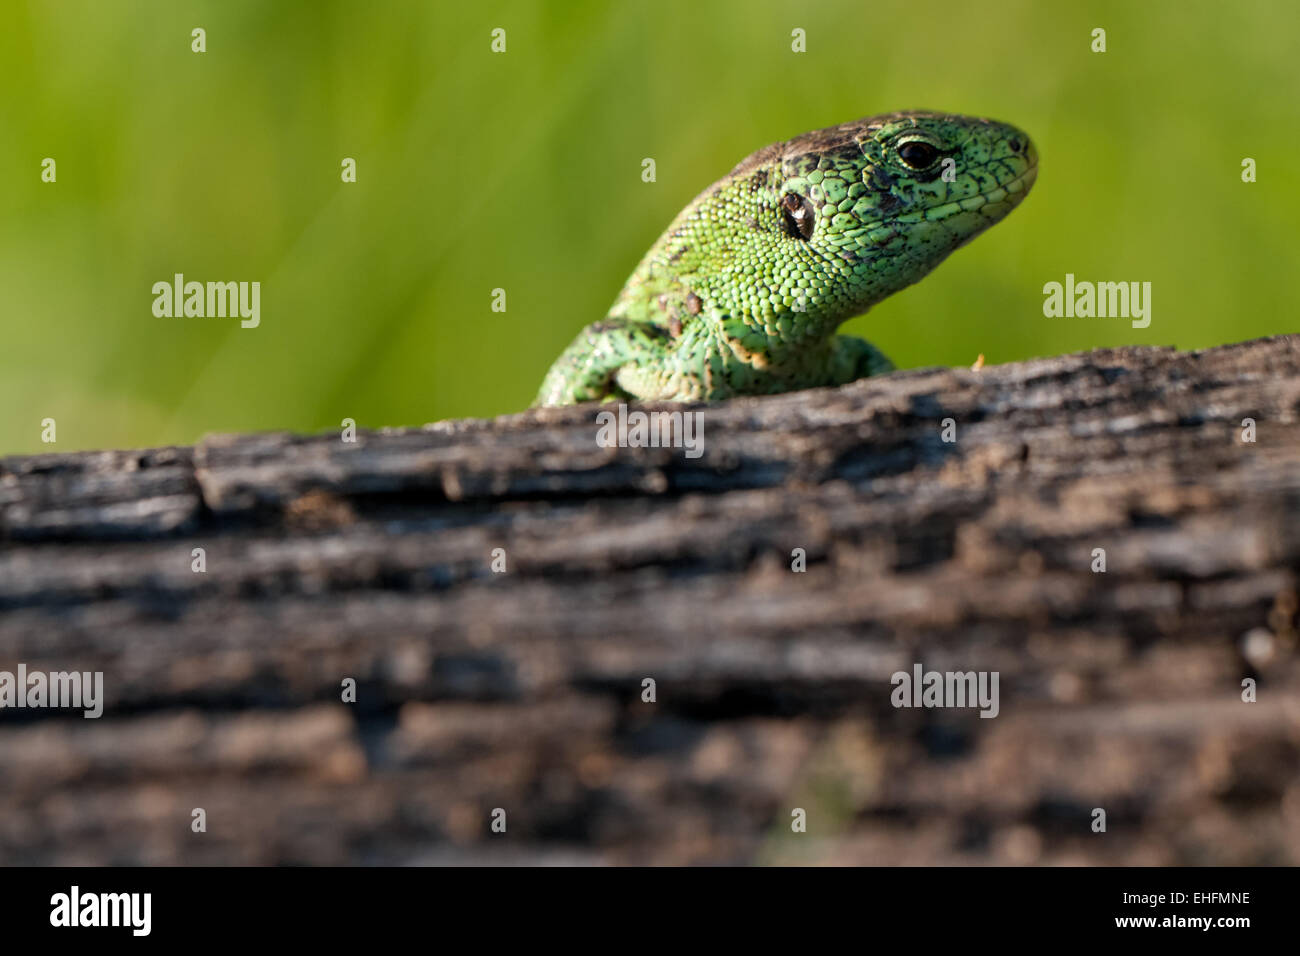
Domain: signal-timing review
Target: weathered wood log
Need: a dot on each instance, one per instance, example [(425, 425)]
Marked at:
[(523, 690)]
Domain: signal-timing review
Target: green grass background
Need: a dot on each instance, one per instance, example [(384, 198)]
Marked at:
[(522, 171)]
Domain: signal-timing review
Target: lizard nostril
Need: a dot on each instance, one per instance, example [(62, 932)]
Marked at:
[(1016, 145)]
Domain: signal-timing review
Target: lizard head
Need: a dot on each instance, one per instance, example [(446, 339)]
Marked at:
[(874, 205), (831, 222)]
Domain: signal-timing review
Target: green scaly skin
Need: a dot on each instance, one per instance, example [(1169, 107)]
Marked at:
[(743, 294)]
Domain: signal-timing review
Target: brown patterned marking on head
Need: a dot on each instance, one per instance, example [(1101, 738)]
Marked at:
[(841, 136)]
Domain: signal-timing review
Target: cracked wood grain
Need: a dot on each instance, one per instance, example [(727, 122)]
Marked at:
[(522, 690)]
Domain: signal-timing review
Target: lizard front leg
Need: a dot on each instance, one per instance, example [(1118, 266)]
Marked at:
[(587, 370), (853, 358)]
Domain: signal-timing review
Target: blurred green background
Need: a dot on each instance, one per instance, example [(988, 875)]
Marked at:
[(522, 171)]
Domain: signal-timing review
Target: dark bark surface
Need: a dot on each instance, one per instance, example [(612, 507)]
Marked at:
[(522, 690)]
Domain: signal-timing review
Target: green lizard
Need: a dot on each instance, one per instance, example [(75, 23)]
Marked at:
[(743, 294)]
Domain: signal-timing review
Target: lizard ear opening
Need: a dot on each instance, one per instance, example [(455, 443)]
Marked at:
[(797, 216)]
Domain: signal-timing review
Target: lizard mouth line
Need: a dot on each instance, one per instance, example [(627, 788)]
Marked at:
[(1018, 188), (1014, 189)]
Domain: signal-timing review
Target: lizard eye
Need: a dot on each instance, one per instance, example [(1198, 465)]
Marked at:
[(917, 153), (797, 216)]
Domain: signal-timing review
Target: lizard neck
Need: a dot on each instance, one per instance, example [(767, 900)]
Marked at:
[(731, 304)]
